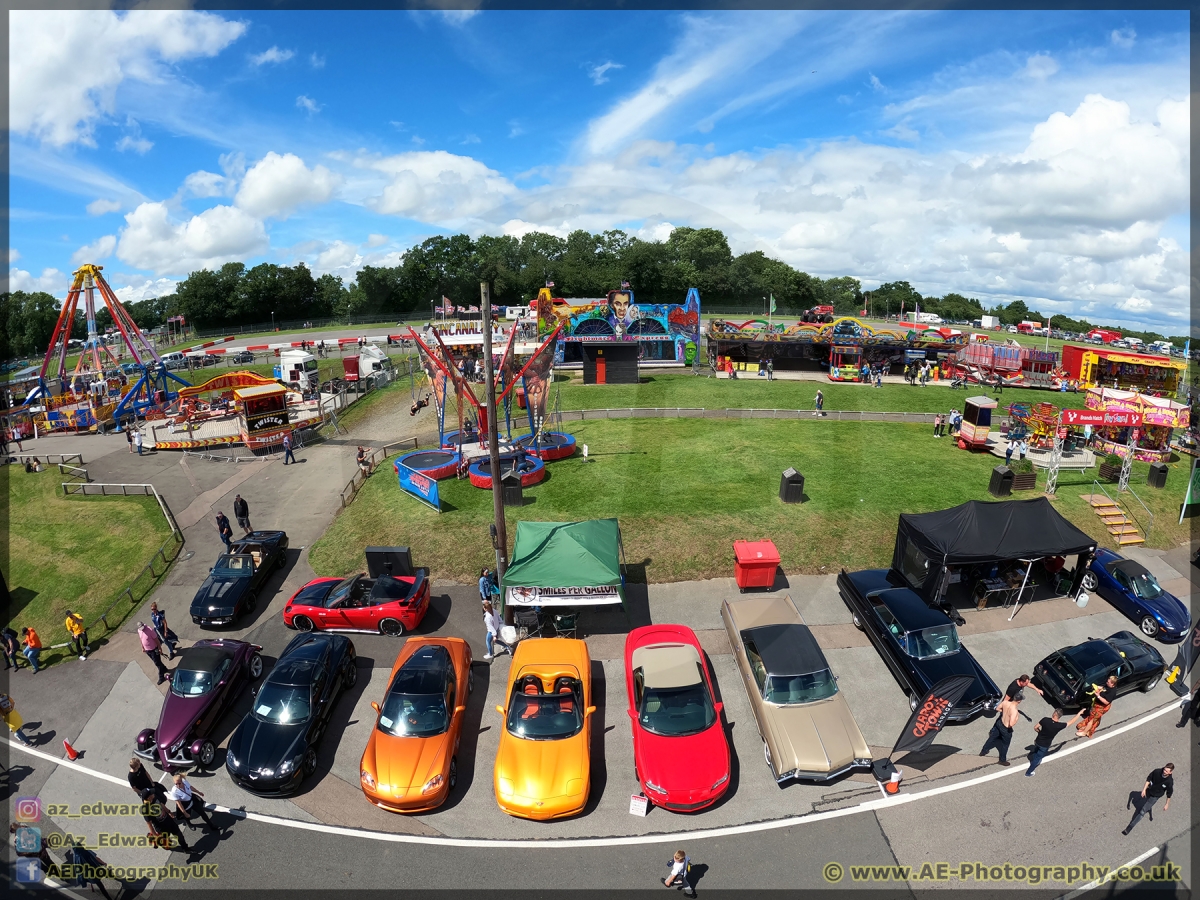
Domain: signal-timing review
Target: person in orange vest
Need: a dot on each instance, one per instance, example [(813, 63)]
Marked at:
[(33, 647)]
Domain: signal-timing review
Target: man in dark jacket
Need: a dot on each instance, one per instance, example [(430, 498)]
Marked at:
[(161, 823), (1158, 783), (224, 529), (241, 509)]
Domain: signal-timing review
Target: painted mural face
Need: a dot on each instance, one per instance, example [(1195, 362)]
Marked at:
[(619, 303)]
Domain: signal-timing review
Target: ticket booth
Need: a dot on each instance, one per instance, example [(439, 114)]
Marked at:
[(262, 414), (976, 423)]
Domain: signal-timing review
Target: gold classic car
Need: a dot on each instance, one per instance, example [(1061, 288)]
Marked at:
[(805, 723)]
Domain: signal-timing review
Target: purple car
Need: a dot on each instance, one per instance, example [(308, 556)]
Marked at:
[(207, 681)]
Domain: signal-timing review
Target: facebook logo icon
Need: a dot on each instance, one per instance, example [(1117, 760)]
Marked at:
[(29, 871)]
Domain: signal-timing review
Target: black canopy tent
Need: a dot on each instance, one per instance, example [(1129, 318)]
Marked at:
[(977, 534)]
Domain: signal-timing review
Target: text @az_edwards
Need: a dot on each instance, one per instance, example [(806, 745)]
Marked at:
[(1079, 873), (172, 872)]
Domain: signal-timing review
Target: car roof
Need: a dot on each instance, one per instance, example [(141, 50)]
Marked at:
[(294, 671), (668, 665), (787, 649), (750, 612), (424, 672), (910, 610), (311, 647), (1092, 653), (204, 659), (1129, 567)]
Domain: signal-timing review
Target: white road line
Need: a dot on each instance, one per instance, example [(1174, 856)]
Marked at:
[(1091, 885), (632, 840)]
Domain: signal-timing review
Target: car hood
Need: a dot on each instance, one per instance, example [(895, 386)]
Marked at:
[(542, 769), (1137, 652), (1174, 614), (404, 762), (178, 716), (936, 668), (683, 764), (816, 737), (258, 744), (219, 595)]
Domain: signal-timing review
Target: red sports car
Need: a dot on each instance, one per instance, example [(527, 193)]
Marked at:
[(388, 605), (680, 752)]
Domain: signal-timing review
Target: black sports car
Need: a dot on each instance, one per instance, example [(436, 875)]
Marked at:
[(242, 356), (234, 581), (1067, 675), (275, 746), (919, 644)]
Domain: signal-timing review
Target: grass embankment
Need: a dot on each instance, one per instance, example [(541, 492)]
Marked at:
[(684, 489), (75, 553)]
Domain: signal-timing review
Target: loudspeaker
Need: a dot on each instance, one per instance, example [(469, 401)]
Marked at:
[(389, 561), (791, 486)]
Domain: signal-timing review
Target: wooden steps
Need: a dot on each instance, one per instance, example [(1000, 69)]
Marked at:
[(1123, 529)]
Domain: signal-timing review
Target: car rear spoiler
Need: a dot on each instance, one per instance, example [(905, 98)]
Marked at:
[(422, 573)]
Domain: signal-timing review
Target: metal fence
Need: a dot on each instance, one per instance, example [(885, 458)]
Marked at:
[(49, 459)]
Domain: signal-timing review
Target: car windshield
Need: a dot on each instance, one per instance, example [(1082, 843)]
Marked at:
[(938, 640), (282, 704), (678, 711), (189, 683), (235, 563), (1145, 586), (340, 592), (414, 715), (790, 689), (545, 717)]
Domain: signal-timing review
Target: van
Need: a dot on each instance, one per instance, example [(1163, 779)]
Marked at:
[(512, 313), (174, 360)]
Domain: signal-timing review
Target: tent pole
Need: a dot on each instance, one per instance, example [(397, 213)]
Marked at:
[(1017, 605), (489, 377)]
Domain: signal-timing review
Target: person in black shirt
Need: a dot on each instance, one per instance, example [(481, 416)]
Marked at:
[(1158, 783), (1019, 684), (162, 824), (140, 780), (1047, 730)]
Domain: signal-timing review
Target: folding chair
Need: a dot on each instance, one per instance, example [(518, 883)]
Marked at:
[(565, 624)]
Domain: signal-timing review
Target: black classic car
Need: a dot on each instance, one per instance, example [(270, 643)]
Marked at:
[(232, 586), (275, 746), (210, 676), (919, 644), (1067, 675)]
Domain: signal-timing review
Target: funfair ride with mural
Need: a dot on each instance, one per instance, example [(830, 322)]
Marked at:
[(1144, 420)]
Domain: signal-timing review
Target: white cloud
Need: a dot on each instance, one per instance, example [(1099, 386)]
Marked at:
[(205, 184), (418, 140), (471, 139), (151, 240), (136, 144), (902, 131), (272, 55), (455, 18), (13, 255), (515, 129), (308, 104), (276, 185), (101, 206), (99, 249), (1124, 37), (142, 288), (51, 280), (338, 255), (71, 62), (1041, 66), (599, 75), (876, 84), (438, 187), (376, 240), (316, 61)]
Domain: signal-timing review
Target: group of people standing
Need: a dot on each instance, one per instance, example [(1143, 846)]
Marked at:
[(919, 372), (941, 420)]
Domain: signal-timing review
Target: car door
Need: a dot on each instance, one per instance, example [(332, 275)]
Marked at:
[(224, 681), (451, 699), (754, 673), (1125, 598), (321, 701)]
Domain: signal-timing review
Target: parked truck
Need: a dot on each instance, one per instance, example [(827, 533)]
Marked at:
[(989, 322), (369, 360), (298, 369)]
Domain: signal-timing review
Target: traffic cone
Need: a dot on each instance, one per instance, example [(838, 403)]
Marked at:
[(72, 753)]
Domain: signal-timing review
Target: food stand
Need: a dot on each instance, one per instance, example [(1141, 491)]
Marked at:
[(262, 414), (1123, 369)]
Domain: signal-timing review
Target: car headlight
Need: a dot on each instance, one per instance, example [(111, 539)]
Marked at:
[(651, 786), (720, 781), (505, 787), (289, 765), (367, 778), (433, 784), (231, 760)]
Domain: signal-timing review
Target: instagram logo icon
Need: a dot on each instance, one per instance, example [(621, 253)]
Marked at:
[(29, 809)]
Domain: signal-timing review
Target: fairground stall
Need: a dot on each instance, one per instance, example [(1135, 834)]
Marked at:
[(1013, 365), (1151, 421), (262, 415), (981, 553), (1123, 370), (976, 423)]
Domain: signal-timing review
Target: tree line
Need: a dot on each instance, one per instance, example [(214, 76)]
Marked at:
[(581, 265)]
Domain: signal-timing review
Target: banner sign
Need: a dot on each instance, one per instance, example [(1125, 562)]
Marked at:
[(1185, 659), (1097, 417), (931, 713), (420, 486), (562, 596)]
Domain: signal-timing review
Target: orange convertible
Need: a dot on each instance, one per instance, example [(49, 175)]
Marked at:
[(543, 763), (409, 765)]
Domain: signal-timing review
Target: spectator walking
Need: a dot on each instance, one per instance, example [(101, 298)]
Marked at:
[(1158, 783), (1102, 698), (819, 400), (288, 456), (771, 369), (1047, 730), (679, 877), (879, 377), (140, 780), (150, 646), (241, 511), (129, 437), (224, 529), (137, 442), (11, 642), (492, 621), (364, 461), (13, 719), (86, 859), (79, 639), (189, 801), (166, 636), (32, 648), (1019, 684), (161, 823), (14, 436), (1001, 734), (1022, 449)]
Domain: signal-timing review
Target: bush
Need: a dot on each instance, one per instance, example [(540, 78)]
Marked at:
[(1022, 466), (1112, 460)]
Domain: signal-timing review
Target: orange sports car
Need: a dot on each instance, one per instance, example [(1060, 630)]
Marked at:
[(543, 762), (409, 765)]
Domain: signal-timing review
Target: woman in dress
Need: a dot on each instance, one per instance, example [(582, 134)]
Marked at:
[(1102, 698)]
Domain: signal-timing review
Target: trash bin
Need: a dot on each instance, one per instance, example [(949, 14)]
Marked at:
[(1158, 475), (755, 563), (1001, 483), (510, 483), (791, 487)]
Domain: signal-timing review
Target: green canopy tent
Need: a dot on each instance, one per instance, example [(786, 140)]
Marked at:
[(565, 564)]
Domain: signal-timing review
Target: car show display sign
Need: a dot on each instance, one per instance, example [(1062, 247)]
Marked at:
[(420, 486), (930, 715), (638, 805), (562, 596)]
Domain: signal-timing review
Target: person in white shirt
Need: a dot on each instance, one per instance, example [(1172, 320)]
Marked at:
[(679, 873), (189, 802), (493, 622)]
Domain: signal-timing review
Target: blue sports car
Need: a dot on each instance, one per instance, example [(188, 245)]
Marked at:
[(1135, 592)]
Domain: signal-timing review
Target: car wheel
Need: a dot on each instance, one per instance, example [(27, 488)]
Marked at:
[(208, 753), (310, 762), (352, 673), (767, 756), (255, 666), (913, 700), (1149, 626), (857, 622), (1151, 684), (251, 602), (303, 623), (1089, 581), (453, 772), (392, 627), (470, 681)]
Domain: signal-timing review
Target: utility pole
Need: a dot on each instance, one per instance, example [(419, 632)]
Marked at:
[(499, 532)]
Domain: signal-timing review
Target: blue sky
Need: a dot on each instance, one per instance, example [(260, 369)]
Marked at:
[(1002, 155)]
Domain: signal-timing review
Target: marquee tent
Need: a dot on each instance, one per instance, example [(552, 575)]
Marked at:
[(565, 564)]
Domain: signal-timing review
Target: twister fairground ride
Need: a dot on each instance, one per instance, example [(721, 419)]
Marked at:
[(98, 390)]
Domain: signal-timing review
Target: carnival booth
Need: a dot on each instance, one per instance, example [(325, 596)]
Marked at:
[(976, 423), (560, 567), (1122, 369), (1152, 421), (262, 414), (979, 554), (845, 362)]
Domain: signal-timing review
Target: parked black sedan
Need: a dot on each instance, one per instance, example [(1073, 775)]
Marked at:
[(232, 586), (1066, 675), (919, 644), (275, 747)]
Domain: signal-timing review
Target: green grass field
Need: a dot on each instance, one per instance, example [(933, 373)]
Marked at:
[(684, 489), (57, 545)]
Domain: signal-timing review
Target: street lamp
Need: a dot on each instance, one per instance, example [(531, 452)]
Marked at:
[(272, 320)]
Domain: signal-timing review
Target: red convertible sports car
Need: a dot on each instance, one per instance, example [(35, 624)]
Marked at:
[(385, 604), (680, 750)]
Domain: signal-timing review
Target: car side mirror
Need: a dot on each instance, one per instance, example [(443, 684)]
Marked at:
[(589, 710), (632, 713), (500, 709), (210, 568), (459, 709), (375, 706), (718, 706)]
